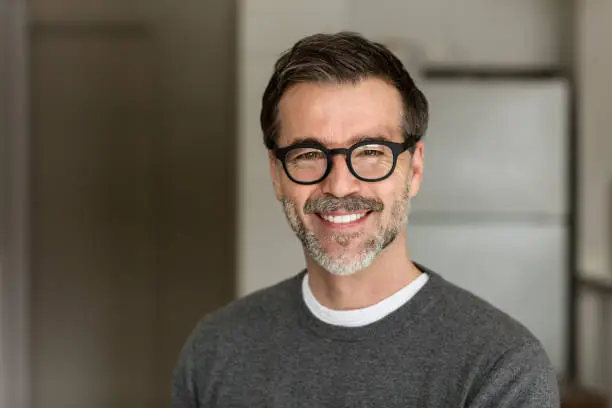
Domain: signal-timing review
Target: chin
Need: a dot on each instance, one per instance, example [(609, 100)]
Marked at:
[(346, 267), (343, 261)]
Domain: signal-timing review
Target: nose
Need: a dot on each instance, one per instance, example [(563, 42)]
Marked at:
[(340, 182)]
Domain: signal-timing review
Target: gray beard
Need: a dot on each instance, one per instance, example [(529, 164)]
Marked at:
[(344, 264)]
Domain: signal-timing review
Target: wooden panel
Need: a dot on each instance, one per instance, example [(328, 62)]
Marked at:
[(199, 160), (134, 199), (95, 97)]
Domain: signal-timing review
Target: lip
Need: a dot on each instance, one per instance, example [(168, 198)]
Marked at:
[(346, 225)]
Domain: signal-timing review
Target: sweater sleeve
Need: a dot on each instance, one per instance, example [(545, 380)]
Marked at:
[(184, 388), (521, 378)]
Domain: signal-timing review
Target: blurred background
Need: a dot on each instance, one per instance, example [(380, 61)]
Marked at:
[(134, 189)]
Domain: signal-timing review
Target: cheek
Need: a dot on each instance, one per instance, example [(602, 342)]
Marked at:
[(386, 190), (390, 192), (402, 174), (295, 193)]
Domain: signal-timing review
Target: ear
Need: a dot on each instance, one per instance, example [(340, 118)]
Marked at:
[(275, 174), (417, 169)]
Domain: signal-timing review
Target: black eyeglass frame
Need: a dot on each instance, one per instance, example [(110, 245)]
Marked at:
[(396, 149)]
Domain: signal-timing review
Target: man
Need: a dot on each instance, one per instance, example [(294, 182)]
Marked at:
[(363, 325)]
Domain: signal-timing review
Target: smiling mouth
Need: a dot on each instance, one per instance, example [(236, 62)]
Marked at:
[(344, 218)]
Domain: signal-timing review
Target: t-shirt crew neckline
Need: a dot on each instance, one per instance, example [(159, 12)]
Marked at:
[(389, 325), (363, 316)]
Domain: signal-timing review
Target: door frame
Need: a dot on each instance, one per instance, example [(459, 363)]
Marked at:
[(14, 206)]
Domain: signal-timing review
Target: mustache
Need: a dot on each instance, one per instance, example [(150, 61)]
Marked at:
[(330, 203)]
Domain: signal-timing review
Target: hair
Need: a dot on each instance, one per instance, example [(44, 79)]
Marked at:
[(344, 57)]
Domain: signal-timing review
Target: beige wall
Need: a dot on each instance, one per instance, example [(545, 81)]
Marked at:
[(132, 189), (594, 65)]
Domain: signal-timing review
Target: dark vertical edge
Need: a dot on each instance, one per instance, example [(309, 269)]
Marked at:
[(23, 198), (573, 158), (33, 190), (159, 203), (233, 109), (568, 52), (239, 61), (15, 201)]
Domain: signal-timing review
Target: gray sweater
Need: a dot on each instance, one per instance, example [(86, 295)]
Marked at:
[(444, 348)]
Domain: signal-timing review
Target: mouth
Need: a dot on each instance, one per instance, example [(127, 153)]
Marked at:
[(343, 219)]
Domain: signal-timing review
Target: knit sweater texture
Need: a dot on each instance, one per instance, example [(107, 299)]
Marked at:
[(444, 348)]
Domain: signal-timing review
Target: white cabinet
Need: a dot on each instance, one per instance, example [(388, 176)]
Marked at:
[(496, 146), (491, 215)]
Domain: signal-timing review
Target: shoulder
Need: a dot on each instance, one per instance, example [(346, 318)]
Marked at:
[(250, 314), (219, 335), (499, 355), (474, 319), (475, 329)]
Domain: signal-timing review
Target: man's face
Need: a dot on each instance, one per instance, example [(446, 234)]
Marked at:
[(337, 116)]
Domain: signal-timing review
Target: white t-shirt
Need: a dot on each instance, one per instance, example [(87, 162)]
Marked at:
[(367, 315)]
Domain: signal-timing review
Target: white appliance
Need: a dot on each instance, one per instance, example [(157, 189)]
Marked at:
[(492, 212)]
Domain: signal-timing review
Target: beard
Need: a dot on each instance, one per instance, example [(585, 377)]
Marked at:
[(346, 262)]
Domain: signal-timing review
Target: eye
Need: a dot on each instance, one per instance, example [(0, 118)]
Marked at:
[(372, 152), (310, 155)]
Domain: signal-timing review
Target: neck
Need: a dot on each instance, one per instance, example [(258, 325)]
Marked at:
[(389, 272)]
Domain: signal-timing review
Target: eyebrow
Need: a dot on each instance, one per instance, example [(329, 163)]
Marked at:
[(352, 141)]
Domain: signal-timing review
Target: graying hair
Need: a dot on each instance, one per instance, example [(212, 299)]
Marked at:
[(344, 57)]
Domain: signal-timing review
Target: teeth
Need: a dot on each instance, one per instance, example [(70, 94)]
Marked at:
[(342, 219)]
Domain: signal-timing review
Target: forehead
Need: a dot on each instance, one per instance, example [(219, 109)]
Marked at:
[(337, 114)]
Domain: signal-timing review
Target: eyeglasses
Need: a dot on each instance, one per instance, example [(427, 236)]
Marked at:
[(370, 161)]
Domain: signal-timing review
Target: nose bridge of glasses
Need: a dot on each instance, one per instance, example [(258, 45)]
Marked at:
[(339, 155), (338, 151), (339, 172)]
